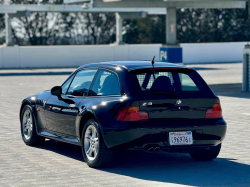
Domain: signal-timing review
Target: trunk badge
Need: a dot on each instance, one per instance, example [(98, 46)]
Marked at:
[(145, 104), (179, 102)]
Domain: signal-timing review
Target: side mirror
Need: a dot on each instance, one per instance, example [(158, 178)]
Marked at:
[(57, 91)]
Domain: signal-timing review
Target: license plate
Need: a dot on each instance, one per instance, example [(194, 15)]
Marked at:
[(180, 138)]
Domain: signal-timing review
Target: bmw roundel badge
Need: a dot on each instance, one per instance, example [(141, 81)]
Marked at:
[(179, 102)]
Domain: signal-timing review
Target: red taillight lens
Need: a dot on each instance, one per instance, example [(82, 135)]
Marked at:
[(132, 114), (214, 112)]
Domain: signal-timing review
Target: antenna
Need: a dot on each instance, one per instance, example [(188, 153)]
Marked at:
[(153, 62)]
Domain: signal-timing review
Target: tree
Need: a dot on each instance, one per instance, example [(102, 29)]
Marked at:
[(96, 28), (193, 26), (147, 30), (43, 28), (39, 28), (212, 25)]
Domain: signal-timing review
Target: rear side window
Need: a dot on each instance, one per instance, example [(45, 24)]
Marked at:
[(105, 83), (171, 81)]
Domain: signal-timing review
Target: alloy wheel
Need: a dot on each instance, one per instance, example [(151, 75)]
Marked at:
[(27, 124), (91, 142)]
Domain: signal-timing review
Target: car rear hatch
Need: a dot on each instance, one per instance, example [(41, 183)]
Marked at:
[(190, 108), (173, 93)]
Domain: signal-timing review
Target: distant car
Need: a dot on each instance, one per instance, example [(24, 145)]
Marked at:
[(104, 107)]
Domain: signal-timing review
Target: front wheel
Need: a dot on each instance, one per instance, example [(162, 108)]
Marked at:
[(28, 128), (211, 154), (95, 152)]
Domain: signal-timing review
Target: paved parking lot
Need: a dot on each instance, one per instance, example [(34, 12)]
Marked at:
[(60, 164)]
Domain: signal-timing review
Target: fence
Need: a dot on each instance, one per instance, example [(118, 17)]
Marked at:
[(73, 56)]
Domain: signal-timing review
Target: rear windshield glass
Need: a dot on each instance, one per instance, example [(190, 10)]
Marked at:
[(169, 81)]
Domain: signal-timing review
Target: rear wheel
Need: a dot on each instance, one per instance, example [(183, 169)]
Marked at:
[(211, 154), (94, 150), (28, 128)]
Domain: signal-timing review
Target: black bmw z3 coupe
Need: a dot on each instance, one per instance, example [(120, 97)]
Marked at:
[(110, 106)]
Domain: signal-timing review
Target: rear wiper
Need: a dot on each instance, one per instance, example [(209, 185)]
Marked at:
[(171, 94)]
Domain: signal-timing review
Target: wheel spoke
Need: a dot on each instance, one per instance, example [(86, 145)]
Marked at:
[(25, 127), (96, 144), (29, 131), (28, 116), (93, 131), (91, 151), (88, 138), (95, 152), (88, 150), (96, 136)]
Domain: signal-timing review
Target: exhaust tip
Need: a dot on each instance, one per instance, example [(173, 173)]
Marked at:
[(157, 148), (150, 150)]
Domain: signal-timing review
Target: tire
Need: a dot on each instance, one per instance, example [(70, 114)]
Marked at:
[(211, 154), (95, 152), (28, 127)]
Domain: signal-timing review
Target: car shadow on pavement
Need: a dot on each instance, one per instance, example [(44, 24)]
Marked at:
[(180, 168), (166, 167), (71, 151)]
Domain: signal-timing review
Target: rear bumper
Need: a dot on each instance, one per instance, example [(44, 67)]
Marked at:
[(204, 135)]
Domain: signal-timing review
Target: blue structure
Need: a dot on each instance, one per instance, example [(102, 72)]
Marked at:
[(171, 54)]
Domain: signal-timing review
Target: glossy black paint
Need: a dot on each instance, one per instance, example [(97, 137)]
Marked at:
[(63, 118)]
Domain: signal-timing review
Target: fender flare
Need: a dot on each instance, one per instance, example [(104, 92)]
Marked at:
[(31, 103), (83, 117)]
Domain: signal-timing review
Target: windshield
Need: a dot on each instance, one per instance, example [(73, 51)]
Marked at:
[(171, 82)]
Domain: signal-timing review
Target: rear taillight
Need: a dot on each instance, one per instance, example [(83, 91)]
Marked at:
[(132, 113), (214, 112)]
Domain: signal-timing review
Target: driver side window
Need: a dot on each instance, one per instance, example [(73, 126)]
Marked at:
[(81, 83)]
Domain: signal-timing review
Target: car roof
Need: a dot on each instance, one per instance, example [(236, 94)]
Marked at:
[(133, 65)]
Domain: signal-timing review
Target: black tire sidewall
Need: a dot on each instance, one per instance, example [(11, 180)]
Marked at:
[(209, 155)]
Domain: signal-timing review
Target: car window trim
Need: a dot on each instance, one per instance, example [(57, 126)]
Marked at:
[(117, 80), (93, 81), (74, 78), (73, 75)]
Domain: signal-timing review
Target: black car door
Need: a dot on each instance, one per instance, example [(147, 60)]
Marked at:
[(61, 113)]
